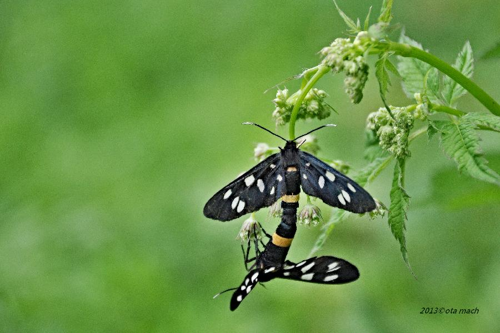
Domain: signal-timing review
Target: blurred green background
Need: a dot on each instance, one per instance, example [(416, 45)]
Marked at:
[(121, 118)]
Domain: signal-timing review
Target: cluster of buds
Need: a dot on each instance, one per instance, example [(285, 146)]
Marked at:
[(313, 106), (345, 55), (310, 215), (250, 230), (392, 133), (422, 110), (262, 151)]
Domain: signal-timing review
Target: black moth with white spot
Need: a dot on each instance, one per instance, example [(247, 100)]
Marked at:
[(324, 270), (265, 183)]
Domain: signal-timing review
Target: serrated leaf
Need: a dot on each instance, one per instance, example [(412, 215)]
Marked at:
[(431, 130), (461, 143), (397, 210), (350, 23), (386, 11), (465, 64), (432, 81), (382, 75), (390, 66), (364, 176), (413, 71), (484, 120), (367, 19), (494, 52)]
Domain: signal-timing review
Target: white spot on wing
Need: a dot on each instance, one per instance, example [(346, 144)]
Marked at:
[(300, 264), (255, 276), (249, 289), (305, 176), (241, 205), (272, 191), (346, 196), (247, 280), (333, 267), (321, 181), (270, 269), (279, 178), (307, 277), (353, 190), (308, 267), (330, 176), (330, 278), (272, 166), (341, 199), (227, 194), (243, 287), (286, 273), (235, 202), (260, 185), (308, 164), (249, 180), (239, 298)]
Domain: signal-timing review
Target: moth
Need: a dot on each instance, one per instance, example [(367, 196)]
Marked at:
[(281, 175), (323, 270), (271, 264)]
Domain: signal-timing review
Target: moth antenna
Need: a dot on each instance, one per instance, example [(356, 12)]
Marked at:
[(300, 144), (265, 129), (314, 130), (222, 292)]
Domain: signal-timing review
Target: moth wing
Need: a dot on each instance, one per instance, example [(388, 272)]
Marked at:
[(324, 270), (259, 187), (244, 289), (320, 180)]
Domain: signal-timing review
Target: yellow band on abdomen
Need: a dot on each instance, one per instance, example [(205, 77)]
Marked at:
[(281, 241), (290, 198)]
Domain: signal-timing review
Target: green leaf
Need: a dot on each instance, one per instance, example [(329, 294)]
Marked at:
[(383, 79), (386, 11), (484, 120), (413, 72), (494, 52), (367, 19), (350, 23), (431, 81), (431, 130), (461, 143), (399, 205), (372, 170), (390, 66), (465, 64)]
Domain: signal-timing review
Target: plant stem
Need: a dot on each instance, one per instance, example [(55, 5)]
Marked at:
[(448, 110), (322, 70), (405, 50)]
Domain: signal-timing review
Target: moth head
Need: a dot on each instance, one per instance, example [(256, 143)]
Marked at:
[(290, 143)]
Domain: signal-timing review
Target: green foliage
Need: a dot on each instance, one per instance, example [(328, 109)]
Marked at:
[(399, 205), (413, 71), (353, 26), (465, 64), (460, 142), (483, 121), (386, 12)]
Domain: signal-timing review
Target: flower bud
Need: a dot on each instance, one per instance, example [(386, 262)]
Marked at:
[(250, 230), (309, 215)]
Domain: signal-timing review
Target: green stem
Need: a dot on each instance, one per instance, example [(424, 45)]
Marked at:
[(448, 110), (405, 50), (321, 70)]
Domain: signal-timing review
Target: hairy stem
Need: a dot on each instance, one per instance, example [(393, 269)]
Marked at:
[(405, 50), (321, 70)]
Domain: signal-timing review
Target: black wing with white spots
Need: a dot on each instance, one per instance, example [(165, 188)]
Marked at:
[(260, 187), (244, 289), (334, 188), (325, 270)]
